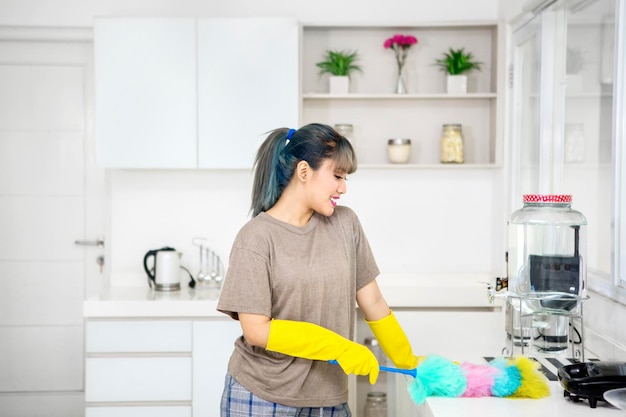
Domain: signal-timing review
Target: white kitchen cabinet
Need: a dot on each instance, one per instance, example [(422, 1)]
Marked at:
[(156, 367), (192, 93), (248, 84), (131, 379), (139, 336), (134, 411), (378, 114), (145, 80), (456, 333), (213, 344)]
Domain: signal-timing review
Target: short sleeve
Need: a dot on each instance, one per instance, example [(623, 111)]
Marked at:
[(246, 287)]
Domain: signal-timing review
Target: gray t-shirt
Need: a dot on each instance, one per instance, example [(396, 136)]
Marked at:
[(309, 273)]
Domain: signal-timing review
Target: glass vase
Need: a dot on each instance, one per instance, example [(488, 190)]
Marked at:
[(400, 86)]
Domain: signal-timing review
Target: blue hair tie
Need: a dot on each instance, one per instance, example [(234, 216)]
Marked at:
[(289, 135)]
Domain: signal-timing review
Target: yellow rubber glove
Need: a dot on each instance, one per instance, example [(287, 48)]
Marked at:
[(394, 342), (310, 341)]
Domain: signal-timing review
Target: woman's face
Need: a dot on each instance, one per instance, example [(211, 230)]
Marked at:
[(326, 186)]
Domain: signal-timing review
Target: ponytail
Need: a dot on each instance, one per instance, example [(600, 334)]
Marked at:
[(271, 175), (281, 151)]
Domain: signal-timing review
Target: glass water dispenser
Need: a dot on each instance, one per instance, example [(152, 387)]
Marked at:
[(547, 274)]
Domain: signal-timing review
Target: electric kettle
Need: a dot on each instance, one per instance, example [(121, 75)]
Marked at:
[(165, 270)]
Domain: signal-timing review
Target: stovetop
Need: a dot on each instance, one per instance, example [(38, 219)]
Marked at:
[(590, 380), (578, 381), (549, 366)]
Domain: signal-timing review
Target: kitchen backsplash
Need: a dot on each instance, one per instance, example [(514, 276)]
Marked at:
[(417, 220), (420, 221)]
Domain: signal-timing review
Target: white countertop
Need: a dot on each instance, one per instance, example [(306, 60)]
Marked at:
[(466, 291), (146, 302), (554, 406), (436, 290)]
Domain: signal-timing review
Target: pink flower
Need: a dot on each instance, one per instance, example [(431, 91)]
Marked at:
[(403, 41), (400, 45)]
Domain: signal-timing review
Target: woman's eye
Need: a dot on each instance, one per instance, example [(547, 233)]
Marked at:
[(339, 177)]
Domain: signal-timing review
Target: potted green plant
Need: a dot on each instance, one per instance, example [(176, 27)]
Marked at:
[(340, 65), (456, 63)]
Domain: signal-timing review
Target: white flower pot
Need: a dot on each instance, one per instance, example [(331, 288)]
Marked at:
[(456, 84), (339, 84)]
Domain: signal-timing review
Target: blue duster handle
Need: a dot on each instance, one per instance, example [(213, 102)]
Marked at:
[(411, 372)]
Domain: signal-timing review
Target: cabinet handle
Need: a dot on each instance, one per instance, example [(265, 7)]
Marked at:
[(98, 242)]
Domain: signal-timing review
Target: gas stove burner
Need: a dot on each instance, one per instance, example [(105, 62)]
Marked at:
[(590, 380)]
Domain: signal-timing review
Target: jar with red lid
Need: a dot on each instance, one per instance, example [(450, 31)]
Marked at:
[(547, 254)]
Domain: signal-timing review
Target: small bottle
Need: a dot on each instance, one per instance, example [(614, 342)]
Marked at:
[(376, 404), (452, 144), (399, 150)]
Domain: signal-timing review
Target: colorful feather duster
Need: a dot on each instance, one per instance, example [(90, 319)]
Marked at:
[(514, 377), (436, 376)]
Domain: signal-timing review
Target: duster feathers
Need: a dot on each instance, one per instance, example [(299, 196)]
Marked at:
[(515, 377)]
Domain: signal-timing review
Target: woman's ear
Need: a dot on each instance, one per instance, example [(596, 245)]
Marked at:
[(303, 170)]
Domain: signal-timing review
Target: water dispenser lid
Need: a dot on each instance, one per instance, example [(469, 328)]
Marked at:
[(547, 198)]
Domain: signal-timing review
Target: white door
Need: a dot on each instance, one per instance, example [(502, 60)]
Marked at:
[(51, 195)]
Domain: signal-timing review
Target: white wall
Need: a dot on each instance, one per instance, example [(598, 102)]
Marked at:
[(401, 210), (421, 221), (81, 12)]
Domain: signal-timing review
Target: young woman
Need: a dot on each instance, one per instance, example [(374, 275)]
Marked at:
[(295, 272)]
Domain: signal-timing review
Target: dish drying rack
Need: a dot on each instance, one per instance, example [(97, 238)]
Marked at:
[(517, 312)]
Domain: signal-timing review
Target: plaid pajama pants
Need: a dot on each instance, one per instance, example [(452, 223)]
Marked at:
[(239, 402)]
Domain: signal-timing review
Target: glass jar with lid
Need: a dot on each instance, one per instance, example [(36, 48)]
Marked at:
[(346, 130), (452, 144), (376, 404), (399, 150), (547, 255)]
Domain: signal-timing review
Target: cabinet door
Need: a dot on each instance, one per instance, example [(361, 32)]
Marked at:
[(137, 336), (139, 411), (247, 85), (145, 80), (138, 379), (212, 346)]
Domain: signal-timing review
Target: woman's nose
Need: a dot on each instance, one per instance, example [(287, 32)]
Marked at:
[(342, 188)]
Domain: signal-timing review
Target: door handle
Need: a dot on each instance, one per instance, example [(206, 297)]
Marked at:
[(98, 242)]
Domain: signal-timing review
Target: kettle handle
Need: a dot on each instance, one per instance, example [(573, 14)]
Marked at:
[(149, 254)]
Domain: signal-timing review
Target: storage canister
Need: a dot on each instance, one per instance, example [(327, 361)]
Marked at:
[(346, 130), (547, 255), (452, 144), (376, 404), (399, 151)]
